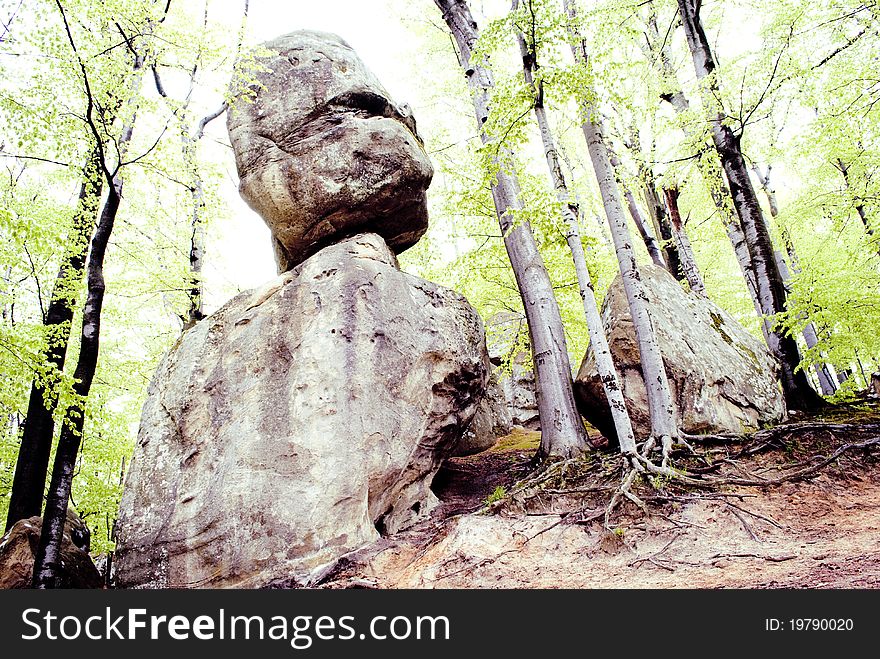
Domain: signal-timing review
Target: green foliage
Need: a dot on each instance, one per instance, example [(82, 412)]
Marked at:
[(497, 495), (44, 142)]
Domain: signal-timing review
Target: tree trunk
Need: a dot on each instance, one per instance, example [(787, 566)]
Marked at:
[(29, 482), (823, 373), (562, 431), (664, 426), (865, 377), (642, 226), (48, 557), (570, 213), (708, 165), (810, 334), (195, 311), (799, 395), (660, 219), (859, 205), (685, 252)]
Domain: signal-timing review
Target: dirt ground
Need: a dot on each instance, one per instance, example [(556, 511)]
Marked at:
[(817, 532)]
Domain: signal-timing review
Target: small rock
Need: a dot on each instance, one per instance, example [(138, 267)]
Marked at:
[(19, 547)]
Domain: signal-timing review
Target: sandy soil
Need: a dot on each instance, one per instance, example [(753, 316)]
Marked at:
[(821, 533)]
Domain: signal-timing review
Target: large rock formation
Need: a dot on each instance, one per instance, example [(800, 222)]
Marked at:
[(298, 423), (18, 547), (723, 379), (323, 152)]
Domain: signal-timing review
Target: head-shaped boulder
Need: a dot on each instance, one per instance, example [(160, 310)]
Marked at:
[(323, 153)]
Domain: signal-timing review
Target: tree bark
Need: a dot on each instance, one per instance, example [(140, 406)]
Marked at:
[(660, 220), (708, 165), (562, 431), (664, 426), (810, 334), (195, 312), (799, 395), (635, 212), (48, 557), (31, 468), (570, 213), (685, 252)]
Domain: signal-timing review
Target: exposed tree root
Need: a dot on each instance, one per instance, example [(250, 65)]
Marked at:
[(661, 465), (772, 559), (654, 558)]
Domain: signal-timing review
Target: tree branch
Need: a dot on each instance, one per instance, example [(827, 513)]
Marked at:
[(90, 100)]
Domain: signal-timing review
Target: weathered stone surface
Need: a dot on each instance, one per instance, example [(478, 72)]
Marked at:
[(508, 339), (723, 379), (491, 421), (298, 423), (323, 152), (518, 387), (19, 547)]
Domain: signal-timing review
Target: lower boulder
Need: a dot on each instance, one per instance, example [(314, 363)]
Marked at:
[(723, 379), (298, 423), (18, 548)]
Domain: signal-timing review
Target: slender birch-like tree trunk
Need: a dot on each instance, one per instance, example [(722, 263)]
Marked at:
[(685, 251), (644, 229), (570, 213), (664, 426), (190, 146), (708, 164), (810, 334), (562, 431), (799, 395)]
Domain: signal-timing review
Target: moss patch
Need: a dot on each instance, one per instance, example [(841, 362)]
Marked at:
[(718, 324), (519, 439)]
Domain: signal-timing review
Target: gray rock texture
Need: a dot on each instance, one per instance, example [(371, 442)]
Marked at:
[(723, 378), (298, 423), (491, 421), (508, 341), (324, 153)]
